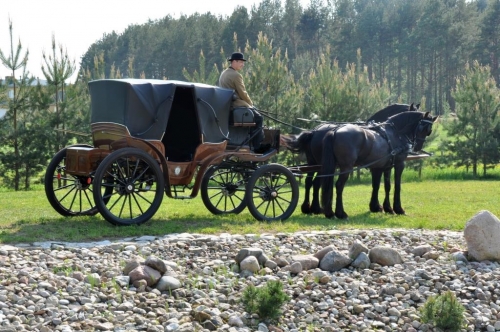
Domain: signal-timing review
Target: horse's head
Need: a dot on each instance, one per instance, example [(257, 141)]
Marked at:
[(422, 130), (414, 126)]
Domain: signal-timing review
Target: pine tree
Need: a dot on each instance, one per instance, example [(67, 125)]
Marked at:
[(201, 76), (57, 70), (14, 61), (478, 103)]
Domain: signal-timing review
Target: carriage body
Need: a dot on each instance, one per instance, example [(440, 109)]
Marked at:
[(153, 137)]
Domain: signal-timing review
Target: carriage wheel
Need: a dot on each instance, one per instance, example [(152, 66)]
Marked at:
[(272, 193), (223, 190), (136, 182), (68, 194)]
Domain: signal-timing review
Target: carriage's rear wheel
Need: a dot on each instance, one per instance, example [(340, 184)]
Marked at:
[(68, 194), (223, 189), (272, 193), (128, 187)]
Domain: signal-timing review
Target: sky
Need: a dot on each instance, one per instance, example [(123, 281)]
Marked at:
[(78, 24)]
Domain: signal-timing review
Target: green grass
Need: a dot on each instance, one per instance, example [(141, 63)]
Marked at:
[(430, 203)]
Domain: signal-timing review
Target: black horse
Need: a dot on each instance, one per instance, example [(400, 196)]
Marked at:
[(311, 144), (379, 147)]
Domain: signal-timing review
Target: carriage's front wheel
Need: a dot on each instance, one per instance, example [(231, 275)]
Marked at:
[(128, 187), (223, 190), (69, 195), (272, 193)]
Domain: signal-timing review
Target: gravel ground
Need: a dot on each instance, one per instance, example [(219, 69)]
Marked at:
[(81, 286)]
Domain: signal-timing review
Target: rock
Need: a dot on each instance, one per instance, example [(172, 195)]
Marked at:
[(308, 262), (362, 261), (245, 252), (156, 263), (334, 261), (167, 283), (131, 265), (144, 272), (482, 235), (421, 250), (357, 248), (250, 263), (385, 256), (271, 264), (281, 261), (295, 268), (321, 253)]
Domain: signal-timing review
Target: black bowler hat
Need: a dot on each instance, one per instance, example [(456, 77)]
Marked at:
[(236, 56)]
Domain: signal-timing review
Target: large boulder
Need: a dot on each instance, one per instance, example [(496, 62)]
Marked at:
[(482, 235), (385, 256)]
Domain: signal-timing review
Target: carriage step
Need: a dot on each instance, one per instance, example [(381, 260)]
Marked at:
[(182, 197)]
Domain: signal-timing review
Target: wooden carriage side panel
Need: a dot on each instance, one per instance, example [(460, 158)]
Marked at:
[(181, 173), (106, 133), (84, 160)]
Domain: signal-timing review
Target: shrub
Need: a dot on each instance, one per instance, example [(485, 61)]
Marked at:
[(265, 301), (444, 311)]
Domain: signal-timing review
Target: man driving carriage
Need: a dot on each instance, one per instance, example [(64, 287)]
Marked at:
[(231, 79)]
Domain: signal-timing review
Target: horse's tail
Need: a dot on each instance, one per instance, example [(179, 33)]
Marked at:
[(295, 143), (327, 170)]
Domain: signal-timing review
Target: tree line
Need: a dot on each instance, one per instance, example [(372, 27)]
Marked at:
[(416, 48), (342, 61)]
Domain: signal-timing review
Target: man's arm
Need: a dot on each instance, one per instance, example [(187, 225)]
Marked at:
[(241, 90)]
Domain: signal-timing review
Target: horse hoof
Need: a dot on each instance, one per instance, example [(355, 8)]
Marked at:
[(342, 215), (376, 210), (305, 209), (329, 215)]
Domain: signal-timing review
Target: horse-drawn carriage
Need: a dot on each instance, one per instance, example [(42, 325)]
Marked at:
[(152, 137), (156, 137)]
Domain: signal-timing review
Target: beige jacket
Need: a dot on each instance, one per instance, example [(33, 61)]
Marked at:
[(231, 79)]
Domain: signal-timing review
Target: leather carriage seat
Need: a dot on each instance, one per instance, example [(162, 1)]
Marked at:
[(241, 117)]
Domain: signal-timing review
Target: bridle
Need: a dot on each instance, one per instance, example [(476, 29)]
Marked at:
[(422, 124), (413, 139)]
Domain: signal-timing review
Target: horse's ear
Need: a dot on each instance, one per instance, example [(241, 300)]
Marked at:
[(435, 118), (418, 106), (426, 115), (412, 108)]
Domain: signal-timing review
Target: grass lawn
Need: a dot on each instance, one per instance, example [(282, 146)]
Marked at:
[(26, 216)]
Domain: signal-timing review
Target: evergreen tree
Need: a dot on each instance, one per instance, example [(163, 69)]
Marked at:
[(58, 68), (489, 44), (478, 104), (36, 123), (201, 76), (349, 95), (14, 61)]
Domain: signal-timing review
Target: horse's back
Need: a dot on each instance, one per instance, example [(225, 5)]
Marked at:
[(357, 145)]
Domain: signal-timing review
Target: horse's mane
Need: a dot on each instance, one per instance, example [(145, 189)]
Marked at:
[(405, 121), (388, 111)]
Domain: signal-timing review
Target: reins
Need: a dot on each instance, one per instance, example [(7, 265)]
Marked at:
[(266, 114)]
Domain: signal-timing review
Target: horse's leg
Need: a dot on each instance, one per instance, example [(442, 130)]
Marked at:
[(327, 196), (315, 206), (387, 187), (328, 168), (398, 171), (374, 203), (339, 186), (305, 207)]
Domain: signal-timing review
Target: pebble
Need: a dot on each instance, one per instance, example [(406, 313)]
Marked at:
[(48, 286)]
